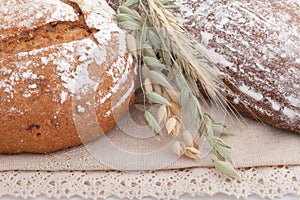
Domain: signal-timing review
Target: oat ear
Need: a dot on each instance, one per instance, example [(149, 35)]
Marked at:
[(152, 123), (226, 168), (166, 45), (156, 98), (187, 138)]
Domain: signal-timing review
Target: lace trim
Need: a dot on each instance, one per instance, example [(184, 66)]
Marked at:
[(270, 182)]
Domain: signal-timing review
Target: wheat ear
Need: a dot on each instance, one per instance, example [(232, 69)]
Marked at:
[(183, 48)]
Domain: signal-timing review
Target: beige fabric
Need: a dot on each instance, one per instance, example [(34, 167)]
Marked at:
[(254, 144), (75, 172)]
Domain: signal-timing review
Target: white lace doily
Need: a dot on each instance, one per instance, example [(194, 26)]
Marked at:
[(270, 182)]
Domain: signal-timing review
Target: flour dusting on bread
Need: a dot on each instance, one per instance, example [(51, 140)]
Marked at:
[(18, 16), (255, 45), (60, 59)]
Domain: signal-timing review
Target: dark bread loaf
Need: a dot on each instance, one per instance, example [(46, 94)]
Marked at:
[(256, 46), (60, 63)]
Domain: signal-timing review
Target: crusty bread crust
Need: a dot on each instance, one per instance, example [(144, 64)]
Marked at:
[(63, 68), (255, 44)]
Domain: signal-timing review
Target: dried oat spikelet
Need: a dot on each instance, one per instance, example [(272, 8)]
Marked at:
[(187, 138), (226, 168), (173, 126), (192, 152)]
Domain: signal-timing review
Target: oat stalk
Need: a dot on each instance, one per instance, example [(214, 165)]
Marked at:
[(170, 68)]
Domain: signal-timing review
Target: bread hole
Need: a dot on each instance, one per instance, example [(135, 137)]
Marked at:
[(32, 127), (38, 135), (55, 122), (59, 37), (72, 27)]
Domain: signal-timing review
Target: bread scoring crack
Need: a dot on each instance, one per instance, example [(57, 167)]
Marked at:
[(53, 33)]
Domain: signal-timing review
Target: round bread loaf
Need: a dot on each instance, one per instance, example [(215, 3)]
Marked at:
[(256, 47), (63, 66)]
